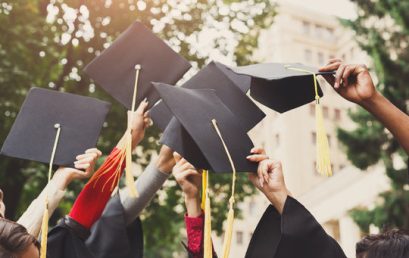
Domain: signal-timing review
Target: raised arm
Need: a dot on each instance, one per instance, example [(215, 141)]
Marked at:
[(92, 200), (151, 180), (354, 83), (32, 217)]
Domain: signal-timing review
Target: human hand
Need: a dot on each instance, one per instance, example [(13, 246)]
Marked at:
[(84, 168), (166, 161), (138, 121), (352, 81)]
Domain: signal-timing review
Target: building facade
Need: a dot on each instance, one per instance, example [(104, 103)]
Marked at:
[(310, 37)]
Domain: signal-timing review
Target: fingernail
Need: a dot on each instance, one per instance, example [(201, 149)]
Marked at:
[(145, 100), (248, 157)]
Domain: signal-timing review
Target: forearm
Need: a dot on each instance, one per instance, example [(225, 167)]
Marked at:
[(193, 208), (278, 199), (32, 217), (151, 180), (396, 121)]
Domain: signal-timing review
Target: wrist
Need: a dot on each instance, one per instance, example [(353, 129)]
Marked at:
[(193, 206), (61, 179), (278, 199), (165, 162), (372, 102)]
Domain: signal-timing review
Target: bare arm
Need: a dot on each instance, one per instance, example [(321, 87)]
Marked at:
[(354, 83)]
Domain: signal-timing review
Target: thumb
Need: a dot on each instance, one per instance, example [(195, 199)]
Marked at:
[(253, 179), (177, 156)]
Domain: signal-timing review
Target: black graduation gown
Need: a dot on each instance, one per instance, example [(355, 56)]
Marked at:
[(109, 237), (294, 234)]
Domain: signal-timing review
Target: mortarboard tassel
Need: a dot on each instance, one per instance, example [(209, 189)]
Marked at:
[(208, 248), (230, 217), (322, 147), (129, 179), (44, 224)]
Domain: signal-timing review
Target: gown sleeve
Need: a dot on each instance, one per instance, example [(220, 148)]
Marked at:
[(295, 233)]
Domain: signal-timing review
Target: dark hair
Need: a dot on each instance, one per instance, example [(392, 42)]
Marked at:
[(14, 239), (392, 243)]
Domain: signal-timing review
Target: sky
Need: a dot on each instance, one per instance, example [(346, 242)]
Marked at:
[(340, 8)]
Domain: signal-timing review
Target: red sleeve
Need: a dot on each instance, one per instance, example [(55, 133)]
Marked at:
[(195, 231), (91, 201)]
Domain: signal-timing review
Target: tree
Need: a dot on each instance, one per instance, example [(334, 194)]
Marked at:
[(382, 29), (47, 43)]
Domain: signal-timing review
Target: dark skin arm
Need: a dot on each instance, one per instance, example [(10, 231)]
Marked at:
[(354, 83)]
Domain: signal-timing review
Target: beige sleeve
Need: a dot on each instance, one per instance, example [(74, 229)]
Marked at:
[(32, 217)]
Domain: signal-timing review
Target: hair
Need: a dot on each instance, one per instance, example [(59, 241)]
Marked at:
[(392, 243), (14, 239)]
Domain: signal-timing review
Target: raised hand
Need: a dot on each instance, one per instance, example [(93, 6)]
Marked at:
[(84, 168), (190, 180), (352, 81), (138, 122)]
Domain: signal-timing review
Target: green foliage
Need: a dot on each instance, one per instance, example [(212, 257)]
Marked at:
[(47, 43), (382, 30)]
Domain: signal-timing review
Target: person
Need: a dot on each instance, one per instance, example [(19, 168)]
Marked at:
[(284, 225), (20, 237), (110, 227), (354, 83), (15, 241)]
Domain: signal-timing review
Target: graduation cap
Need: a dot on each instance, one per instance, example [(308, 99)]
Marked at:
[(135, 59), (54, 127), (43, 114), (217, 134), (229, 87), (283, 87), (126, 69)]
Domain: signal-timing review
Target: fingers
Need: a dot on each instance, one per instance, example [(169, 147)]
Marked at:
[(256, 150), (338, 76), (262, 172), (257, 157), (87, 157), (254, 179), (332, 65), (142, 107), (94, 150), (177, 156)]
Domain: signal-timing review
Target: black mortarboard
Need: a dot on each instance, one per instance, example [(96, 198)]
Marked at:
[(195, 110), (33, 133), (114, 69), (281, 87), (228, 86)]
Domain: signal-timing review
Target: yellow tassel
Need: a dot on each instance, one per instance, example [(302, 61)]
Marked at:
[(44, 224), (208, 249), (44, 231), (322, 147), (129, 179), (229, 230), (230, 217), (204, 187), (323, 152)]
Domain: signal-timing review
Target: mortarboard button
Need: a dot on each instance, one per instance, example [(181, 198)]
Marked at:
[(137, 48)]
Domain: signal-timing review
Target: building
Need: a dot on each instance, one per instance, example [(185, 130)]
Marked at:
[(309, 37)]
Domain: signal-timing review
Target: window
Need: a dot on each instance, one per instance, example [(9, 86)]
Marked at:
[(321, 58), (318, 31), (306, 27), (277, 140), (325, 111), (239, 237), (312, 109), (314, 137), (337, 115), (308, 55), (252, 207)]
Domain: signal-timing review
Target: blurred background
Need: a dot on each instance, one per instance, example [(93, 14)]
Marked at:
[(47, 43)]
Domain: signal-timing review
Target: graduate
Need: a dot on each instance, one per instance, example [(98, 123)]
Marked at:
[(20, 238)]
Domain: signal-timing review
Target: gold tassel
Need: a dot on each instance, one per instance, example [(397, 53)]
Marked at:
[(230, 217), (208, 248), (129, 179), (229, 230), (204, 187), (44, 231), (323, 152), (44, 224), (322, 147)]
